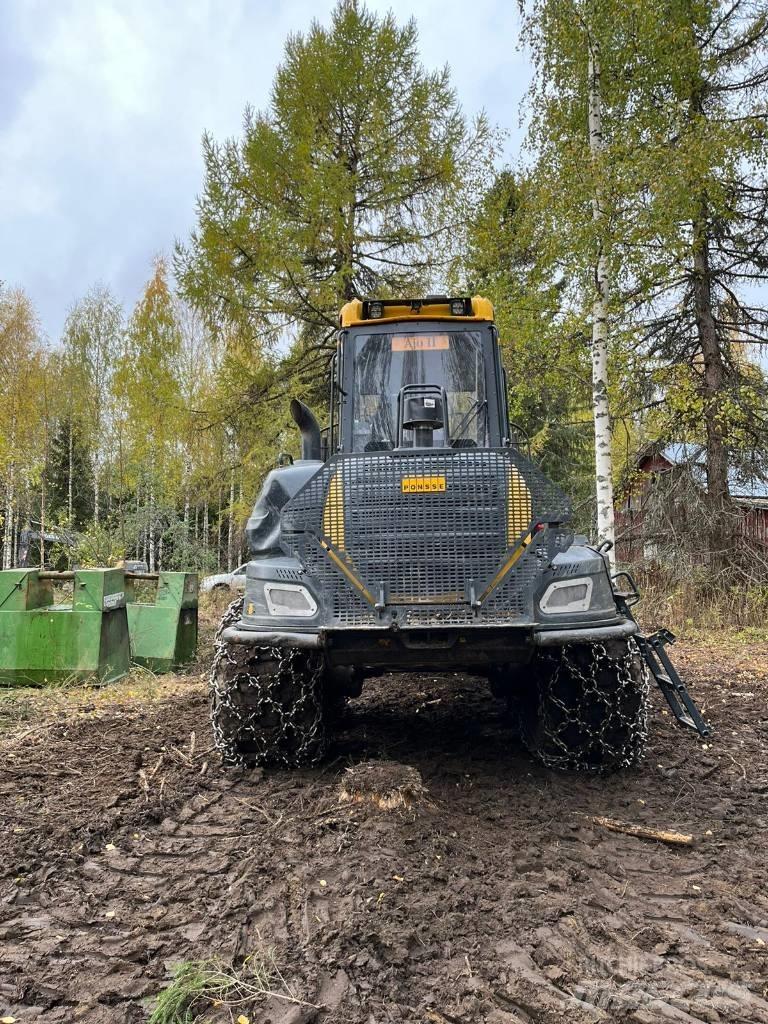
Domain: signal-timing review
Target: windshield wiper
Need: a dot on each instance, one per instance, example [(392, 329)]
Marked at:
[(469, 416)]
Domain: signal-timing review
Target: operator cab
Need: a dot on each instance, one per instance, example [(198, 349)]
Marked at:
[(416, 374)]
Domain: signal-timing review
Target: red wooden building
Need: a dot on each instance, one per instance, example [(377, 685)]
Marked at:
[(657, 469)]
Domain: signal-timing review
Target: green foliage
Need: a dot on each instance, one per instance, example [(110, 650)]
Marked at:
[(68, 456), (198, 985), (148, 384), (194, 984), (343, 187), (545, 346), (681, 186)]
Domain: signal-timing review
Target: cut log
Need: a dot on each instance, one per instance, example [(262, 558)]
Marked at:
[(643, 832)]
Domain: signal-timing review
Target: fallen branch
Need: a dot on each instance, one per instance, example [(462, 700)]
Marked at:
[(643, 832)]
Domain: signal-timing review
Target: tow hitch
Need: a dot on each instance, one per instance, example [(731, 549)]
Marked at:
[(659, 663)]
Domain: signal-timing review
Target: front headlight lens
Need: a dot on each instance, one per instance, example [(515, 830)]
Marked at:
[(289, 599), (567, 596)]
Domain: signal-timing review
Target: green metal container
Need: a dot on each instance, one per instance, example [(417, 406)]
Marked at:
[(42, 642), (164, 633)]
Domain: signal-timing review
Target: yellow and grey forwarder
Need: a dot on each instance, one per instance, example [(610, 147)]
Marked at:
[(413, 534)]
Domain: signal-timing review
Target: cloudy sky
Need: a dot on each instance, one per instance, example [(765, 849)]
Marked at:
[(103, 103)]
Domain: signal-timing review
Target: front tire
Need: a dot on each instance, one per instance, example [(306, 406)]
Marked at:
[(589, 710), (266, 703)]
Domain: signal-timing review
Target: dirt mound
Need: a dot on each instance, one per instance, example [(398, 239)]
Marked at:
[(385, 784), (127, 850)]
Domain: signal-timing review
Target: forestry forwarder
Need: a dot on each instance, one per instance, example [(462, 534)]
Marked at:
[(414, 535)]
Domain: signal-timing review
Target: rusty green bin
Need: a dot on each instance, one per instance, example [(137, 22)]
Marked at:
[(84, 639), (163, 632)]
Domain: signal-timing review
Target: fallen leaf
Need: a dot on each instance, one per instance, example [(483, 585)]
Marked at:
[(110, 913), (242, 1019), (7, 1020), (398, 878), (323, 882), (110, 846)]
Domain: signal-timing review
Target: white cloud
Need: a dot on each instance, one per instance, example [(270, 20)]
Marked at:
[(105, 103)]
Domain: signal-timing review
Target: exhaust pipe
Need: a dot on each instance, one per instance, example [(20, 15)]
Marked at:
[(305, 420)]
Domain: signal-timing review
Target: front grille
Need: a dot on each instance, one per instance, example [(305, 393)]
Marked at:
[(423, 550)]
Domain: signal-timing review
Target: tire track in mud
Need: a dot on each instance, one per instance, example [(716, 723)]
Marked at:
[(503, 902)]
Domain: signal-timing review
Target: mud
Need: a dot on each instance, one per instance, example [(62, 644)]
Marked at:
[(126, 850)]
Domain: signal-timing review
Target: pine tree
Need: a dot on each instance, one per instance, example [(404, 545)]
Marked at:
[(345, 186), (700, 125)]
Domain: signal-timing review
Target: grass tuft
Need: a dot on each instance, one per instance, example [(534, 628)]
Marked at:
[(202, 985), (194, 983)]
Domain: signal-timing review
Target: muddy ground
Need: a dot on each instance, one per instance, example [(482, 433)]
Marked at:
[(126, 850)]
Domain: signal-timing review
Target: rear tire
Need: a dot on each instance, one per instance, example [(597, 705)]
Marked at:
[(589, 710), (266, 703)]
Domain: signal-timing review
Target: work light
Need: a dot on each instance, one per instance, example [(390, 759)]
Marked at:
[(289, 599), (375, 310), (567, 596)]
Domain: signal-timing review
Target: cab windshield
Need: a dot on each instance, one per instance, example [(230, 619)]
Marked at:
[(386, 363)]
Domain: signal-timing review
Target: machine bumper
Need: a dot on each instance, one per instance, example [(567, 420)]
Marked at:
[(448, 645), (584, 634), (271, 637)]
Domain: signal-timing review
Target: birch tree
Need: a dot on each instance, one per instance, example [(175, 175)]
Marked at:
[(92, 343), (154, 414), (580, 52), (21, 362), (601, 292)]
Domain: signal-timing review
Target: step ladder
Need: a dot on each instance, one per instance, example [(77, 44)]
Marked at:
[(659, 663)]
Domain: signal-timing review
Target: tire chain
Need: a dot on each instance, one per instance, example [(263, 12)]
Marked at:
[(303, 673), (614, 737), (292, 742)]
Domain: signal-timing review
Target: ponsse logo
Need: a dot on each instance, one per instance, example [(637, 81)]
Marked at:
[(422, 484)]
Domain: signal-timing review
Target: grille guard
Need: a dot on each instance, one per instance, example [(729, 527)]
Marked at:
[(473, 551)]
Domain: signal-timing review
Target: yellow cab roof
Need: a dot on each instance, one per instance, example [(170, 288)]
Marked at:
[(432, 308)]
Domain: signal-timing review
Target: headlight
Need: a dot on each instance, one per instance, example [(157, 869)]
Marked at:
[(289, 599), (567, 596)]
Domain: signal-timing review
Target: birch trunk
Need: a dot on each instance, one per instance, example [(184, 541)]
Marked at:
[(71, 456), (218, 535), (43, 482), (240, 552), (230, 523), (96, 492), (8, 540), (42, 521), (151, 532), (601, 412), (9, 545)]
